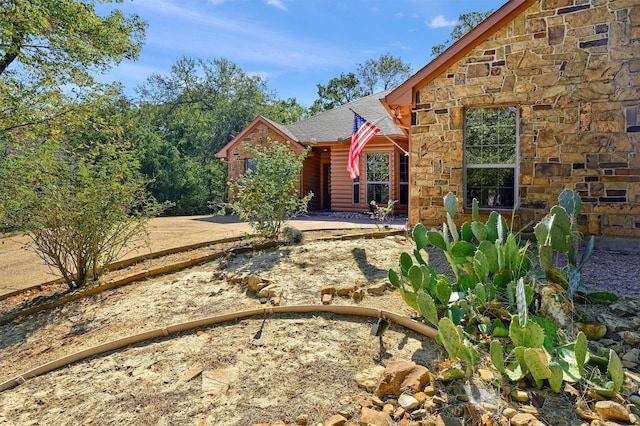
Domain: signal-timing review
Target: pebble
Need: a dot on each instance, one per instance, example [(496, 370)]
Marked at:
[(336, 420), (524, 419), (610, 410), (518, 395), (408, 402)]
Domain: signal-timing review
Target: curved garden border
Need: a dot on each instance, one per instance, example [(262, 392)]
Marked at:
[(420, 328)]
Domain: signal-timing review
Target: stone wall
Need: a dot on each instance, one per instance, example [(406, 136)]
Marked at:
[(573, 69)]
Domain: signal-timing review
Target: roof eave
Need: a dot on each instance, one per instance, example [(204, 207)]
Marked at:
[(404, 94)]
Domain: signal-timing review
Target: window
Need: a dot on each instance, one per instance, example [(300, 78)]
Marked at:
[(356, 190), (403, 179), (378, 177), (250, 164), (490, 153)]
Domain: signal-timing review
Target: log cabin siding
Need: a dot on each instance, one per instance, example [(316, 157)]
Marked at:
[(311, 180)]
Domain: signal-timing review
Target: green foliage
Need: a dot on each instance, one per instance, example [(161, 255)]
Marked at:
[(385, 73), (339, 91), (80, 199), (558, 232), (466, 22), (269, 197), (382, 213)]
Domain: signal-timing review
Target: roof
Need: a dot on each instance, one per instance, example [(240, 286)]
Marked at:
[(404, 94), (329, 126), (337, 124)]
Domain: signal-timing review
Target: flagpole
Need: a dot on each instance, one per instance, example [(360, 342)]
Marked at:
[(384, 134)]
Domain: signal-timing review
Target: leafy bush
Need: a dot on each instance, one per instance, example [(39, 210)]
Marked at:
[(268, 197), (81, 207)]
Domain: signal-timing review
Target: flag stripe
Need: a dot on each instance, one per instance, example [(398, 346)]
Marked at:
[(363, 132)]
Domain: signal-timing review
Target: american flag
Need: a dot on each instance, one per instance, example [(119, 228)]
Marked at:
[(363, 132)]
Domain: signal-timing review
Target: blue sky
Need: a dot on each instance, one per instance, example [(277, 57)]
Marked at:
[(293, 44)]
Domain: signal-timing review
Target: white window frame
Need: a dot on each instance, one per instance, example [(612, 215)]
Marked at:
[(515, 166)]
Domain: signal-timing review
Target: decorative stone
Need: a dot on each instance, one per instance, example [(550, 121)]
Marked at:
[(216, 382), (256, 284), (524, 419), (509, 412), (269, 291), (610, 410), (302, 419), (377, 289), (327, 298), (345, 291), (520, 396), (408, 402), (329, 289), (358, 295), (593, 331), (336, 420), (375, 418), (402, 376), (369, 379), (631, 338)]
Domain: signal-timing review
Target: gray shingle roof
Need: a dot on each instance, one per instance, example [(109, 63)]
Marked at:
[(337, 124)]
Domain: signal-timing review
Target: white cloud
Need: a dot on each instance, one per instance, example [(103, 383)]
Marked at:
[(440, 21), (277, 3)]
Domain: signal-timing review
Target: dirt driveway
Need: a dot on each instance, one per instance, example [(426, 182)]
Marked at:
[(21, 268)]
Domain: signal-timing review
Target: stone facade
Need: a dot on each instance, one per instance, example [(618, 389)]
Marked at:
[(572, 68)]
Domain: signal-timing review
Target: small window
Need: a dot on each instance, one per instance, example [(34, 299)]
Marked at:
[(490, 154), (250, 164), (378, 177), (356, 190), (403, 179)]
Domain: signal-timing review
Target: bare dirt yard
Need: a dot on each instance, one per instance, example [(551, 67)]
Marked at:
[(292, 369)]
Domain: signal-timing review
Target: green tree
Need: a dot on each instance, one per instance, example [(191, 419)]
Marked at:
[(285, 111), (48, 47), (193, 112), (338, 91), (466, 22), (79, 196), (268, 198), (384, 73)]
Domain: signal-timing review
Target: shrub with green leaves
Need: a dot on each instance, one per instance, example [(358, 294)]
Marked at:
[(558, 232), (268, 197), (82, 207)]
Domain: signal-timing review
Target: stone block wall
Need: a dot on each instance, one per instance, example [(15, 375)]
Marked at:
[(572, 67)]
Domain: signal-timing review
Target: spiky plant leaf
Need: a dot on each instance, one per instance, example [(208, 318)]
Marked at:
[(451, 204), (420, 236), (521, 302), (437, 240), (555, 380), (394, 279), (427, 308), (615, 370), (581, 352), (497, 355)]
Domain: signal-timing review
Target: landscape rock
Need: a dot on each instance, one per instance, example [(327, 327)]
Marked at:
[(610, 410), (519, 395), (336, 420), (625, 308), (523, 419), (327, 299), (408, 402), (216, 382), (403, 376), (377, 289), (369, 379), (375, 418), (302, 420), (269, 291), (345, 291), (358, 295), (255, 284)]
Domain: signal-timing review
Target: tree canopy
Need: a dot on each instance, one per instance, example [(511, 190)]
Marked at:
[(384, 73), (466, 22)]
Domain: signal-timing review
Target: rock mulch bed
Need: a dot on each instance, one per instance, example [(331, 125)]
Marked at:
[(293, 370)]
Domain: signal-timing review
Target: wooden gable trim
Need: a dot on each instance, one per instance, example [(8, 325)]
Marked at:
[(404, 94), (240, 137)]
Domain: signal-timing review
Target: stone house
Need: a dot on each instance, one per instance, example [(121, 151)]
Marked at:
[(384, 165), (541, 96)]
